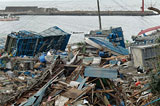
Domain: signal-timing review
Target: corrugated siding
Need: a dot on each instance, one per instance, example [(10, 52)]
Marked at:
[(100, 72)]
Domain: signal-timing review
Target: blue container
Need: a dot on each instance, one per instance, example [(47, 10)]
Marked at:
[(42, 58), (27, 73), (103, 54), (99, 33), (114, 62)]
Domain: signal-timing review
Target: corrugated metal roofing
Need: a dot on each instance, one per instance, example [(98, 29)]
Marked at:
[(53, 31), (110, 46), (100, 72), (25, 34)]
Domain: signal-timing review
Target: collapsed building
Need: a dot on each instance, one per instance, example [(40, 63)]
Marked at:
[(145, 48), (29, 43)]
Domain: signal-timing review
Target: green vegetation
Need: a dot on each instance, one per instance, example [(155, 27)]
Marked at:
[(81, 47), (155, 79)]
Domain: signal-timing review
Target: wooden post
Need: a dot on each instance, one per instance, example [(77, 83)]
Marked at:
[(99, 14)]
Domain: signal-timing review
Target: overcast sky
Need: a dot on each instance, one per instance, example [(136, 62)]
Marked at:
[(24, 0), (83, 4), (35, 0)]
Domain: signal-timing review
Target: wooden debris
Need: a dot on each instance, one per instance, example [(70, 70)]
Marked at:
[(72, 93)]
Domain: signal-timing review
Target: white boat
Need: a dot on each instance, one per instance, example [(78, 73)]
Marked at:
[(9, 18)]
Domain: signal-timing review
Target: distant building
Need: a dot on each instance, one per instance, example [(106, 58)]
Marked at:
[(34, 9), (51, 10), (21, 8)]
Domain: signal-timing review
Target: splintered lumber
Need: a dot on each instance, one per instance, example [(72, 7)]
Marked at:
[(102, 84), (103, 99), (73, 93), (75, 74), (139, 92), (106, 102), (70, 66), (86, 90), (23, 59), (116, 57), (37, 98), (37, 84), (103, 91)]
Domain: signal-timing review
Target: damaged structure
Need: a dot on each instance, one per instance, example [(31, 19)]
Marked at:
[(145, 55), (30, 43), (110, 41), (145, 48)]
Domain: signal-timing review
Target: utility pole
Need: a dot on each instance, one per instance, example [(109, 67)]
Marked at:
[(99, 14), (142, 6)]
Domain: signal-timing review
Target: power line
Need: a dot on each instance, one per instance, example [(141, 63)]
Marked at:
[(125, 7)]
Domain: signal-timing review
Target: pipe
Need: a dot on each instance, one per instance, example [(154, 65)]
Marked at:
[(142, 6)]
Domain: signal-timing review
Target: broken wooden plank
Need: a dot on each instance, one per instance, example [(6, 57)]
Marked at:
[(103, 91), (73, 93)]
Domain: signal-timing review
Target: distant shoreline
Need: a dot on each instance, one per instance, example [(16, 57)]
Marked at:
[(85, 13), (35, 10)]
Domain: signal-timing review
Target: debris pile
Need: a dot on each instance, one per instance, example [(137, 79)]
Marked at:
[(65, 84), (84, 81), (76, 78)]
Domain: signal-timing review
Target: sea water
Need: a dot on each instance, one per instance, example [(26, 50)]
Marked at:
[(131, 25)]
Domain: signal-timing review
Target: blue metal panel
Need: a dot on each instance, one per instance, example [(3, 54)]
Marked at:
[(110, 46), (82, 84), (117, 36), (67, 37), (100, 72), (37, 98), (87, 60), (80, 79)]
